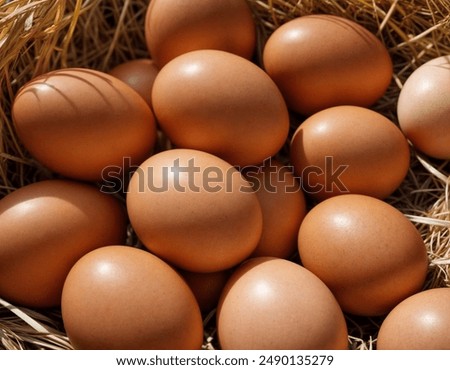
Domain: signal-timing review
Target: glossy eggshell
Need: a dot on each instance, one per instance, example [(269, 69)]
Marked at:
[(206, 287), (283, 205), (45, 228), (420, 322), (222, 104), (194, 210), (124, 298), (348, 149), (83, 123), (275, 304), (320, 61), (423, 108), (365, 250), (138, 74), (173, 28)]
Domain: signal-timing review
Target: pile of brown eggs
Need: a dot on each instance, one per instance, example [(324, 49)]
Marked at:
[(282, 247)]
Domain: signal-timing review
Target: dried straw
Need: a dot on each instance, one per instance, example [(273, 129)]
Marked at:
[(42, 35), (21, 328)]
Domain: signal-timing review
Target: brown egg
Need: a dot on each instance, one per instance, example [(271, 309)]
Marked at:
[(206, 287), (45, 228), (283, 205), (420, 322), (423, 108), (320, 61), (194, 210), (365, 250), (83, 123), (349, 149), (275, 304), (222, 104), (124, 298), (139, 74), (173, 28)]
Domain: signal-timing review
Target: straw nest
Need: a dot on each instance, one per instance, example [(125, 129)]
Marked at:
[(40, 35)]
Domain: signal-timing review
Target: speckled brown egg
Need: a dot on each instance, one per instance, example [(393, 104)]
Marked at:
[(320, 61), (365, 250), (138, 74), (45, 228), (175, 27), (275, 304), (348, 149), (283, 205), (194, 210), (206, 287), (124, 298), (222, 104), (83, 123), (423, 108), (420, 322)]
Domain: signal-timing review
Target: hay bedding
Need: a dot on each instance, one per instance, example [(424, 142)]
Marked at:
[(42, 35)]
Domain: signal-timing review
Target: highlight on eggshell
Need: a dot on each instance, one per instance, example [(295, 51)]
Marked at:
[(420, 322), (368, 253), (173, 28), (275, 304), (194, 210), (223, 104), (349, 150), (45, 227), (319, 61), (423, 108), (78, 121), (119, 297)]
